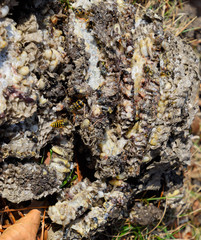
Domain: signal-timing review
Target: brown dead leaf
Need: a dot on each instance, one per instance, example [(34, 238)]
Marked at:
[(24, 229)]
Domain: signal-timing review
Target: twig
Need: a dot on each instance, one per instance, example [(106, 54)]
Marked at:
[(162, 192), (20, 214), (43, 226), (10, 215), (79, 175)]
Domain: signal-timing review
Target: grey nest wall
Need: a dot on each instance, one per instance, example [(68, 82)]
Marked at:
[(123, 91)]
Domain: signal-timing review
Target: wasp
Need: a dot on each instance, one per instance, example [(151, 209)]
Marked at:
[(76, 105), (148, 71), (79, 11), (103, 68), (165, 73), (59, 123)]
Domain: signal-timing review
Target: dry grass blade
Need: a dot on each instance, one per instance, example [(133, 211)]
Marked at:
[(191, 213), (160, 219), (22, 209), (183, 28), (195, 42)]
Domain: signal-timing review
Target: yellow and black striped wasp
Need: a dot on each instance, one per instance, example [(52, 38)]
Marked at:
[(59, 123), (77, 105), (80, 12)]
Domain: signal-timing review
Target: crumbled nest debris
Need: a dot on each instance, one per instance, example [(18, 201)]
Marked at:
[(111, 94)]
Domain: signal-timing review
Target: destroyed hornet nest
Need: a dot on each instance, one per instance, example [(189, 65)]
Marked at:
[(107, 89)]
